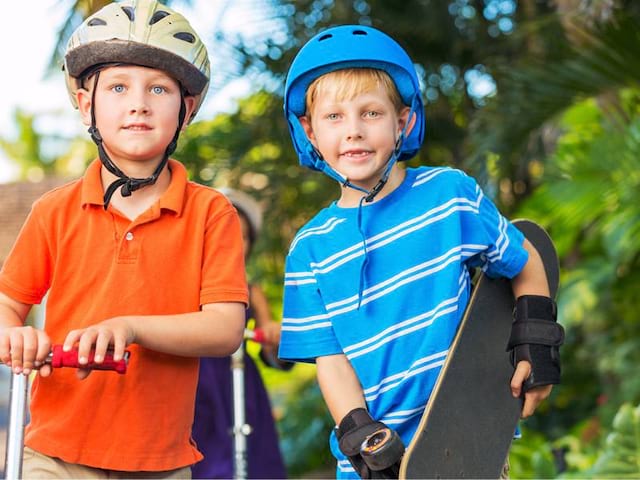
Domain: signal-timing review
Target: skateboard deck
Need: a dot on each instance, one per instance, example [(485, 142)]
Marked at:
[(468, 425)]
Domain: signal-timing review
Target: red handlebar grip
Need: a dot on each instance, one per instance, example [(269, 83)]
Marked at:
[(257, 335), (60, 358)]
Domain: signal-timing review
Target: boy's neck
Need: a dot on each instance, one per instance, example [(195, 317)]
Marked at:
[(350, 197), (140, 200)]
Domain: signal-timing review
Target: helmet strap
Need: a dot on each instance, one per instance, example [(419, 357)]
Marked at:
[(128, 184)]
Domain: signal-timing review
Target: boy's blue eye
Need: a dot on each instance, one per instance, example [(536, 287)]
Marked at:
[(158, 90), (118, 88)]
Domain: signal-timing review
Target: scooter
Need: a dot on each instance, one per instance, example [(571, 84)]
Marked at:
[(58, 358), (241, 429)]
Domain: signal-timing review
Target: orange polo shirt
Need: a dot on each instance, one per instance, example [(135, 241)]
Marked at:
[(185, 251)]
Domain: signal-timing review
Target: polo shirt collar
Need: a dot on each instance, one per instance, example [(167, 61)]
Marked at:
[(172, 199)]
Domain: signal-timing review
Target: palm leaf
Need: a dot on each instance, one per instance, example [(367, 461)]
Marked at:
[(532, 95)]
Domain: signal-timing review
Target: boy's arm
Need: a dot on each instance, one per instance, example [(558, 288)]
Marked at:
[(22, 347), (340, 386), (532, 280), (344, 397), (262, 315), (216, 330)]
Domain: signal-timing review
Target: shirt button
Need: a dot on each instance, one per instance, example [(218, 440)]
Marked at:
[(129, 236)]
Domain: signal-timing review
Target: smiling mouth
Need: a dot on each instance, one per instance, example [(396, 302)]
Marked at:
[(137, 128), (356, 153)]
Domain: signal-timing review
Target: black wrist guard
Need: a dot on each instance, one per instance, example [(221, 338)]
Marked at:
[(383, 447), (536, 337)]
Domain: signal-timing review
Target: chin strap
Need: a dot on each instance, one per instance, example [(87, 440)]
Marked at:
[(127, 184)]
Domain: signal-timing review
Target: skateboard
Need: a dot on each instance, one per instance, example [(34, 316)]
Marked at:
[(468, 425)]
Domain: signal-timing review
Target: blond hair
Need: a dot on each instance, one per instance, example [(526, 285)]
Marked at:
[(348, 83)]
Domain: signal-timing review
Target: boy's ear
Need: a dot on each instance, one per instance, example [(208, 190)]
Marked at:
[(404, 117), (190, 105), (306, 126), (83, 97)]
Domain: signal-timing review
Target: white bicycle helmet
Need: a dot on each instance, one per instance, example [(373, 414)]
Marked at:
[(138, 32)]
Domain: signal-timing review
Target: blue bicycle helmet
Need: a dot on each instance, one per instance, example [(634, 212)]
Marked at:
[(351, 46)]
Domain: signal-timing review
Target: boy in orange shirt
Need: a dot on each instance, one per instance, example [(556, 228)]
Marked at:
[(131, 255)]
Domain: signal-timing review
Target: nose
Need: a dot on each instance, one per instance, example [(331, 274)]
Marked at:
[(354, 129), (139, 104)]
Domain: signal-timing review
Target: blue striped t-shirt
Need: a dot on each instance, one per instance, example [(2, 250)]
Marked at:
[(389, 288)]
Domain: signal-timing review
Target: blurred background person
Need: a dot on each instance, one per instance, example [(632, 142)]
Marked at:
[(213, 422)]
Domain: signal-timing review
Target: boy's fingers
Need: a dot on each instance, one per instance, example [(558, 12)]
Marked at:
[(523, 370), (102, 345), (534, 397), (5, 350), (82, 373), (16, 351), (29, 352), (44, 348), (45, 370), (531, 401), (70, 341), (119, 344), (528, 408), (85, 344)]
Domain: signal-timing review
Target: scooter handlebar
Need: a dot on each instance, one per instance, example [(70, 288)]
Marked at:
[(58, 358)]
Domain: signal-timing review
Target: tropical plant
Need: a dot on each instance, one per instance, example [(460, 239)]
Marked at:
[(620, 457)]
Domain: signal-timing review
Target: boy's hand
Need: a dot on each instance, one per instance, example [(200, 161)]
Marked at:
[(533, 397), (25, 348), (377, 459), (113, 334), (271, 331)]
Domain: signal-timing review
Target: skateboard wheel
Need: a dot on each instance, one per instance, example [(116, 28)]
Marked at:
[(382, 449)]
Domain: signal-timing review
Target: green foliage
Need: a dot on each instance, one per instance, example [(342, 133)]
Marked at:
[(26, 150), (621, 455), (304, 432), (590, 203), (531, 457), (599, 60)]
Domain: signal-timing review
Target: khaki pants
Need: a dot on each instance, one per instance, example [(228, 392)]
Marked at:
[(38, 466)]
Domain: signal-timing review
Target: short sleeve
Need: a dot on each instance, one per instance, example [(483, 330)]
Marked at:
[(26, 273), (223, 270), (504, 255), (307, 331)]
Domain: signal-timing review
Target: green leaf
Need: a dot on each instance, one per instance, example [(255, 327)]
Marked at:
[(621, 455)]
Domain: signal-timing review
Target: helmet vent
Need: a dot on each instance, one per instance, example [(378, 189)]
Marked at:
[(185, 36), (325, 37), (129, 12), (96, 22), (359, 32), (159, 15)]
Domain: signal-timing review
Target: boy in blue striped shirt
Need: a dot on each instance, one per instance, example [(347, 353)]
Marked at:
[(377, 283)]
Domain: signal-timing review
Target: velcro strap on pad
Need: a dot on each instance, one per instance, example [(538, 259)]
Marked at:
[(354, 429), (535, 323), (536, 332)]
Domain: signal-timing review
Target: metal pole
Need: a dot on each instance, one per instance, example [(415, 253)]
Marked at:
[(240, 428), (15, 431)]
